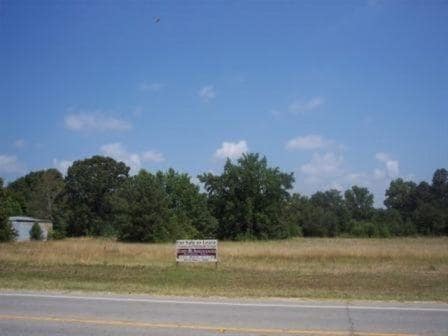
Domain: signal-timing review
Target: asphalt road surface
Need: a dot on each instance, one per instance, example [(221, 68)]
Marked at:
[(93, 314)]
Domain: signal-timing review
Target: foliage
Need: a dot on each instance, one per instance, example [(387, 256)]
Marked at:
[(248, 198), (37, 192), (141, 210), (359, 202), (36, 232), (329, 216), (8, 207), (401, 196), (188, 207), (89, 184), (423, 208)]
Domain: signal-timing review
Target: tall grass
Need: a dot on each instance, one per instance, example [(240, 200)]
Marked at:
[(405, 268)]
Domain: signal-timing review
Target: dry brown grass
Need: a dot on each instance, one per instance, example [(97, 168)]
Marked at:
[(410, 268)]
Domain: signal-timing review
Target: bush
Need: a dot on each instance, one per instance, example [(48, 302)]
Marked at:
[(36, 232), (7, 232), (56, 235), (364, 229)]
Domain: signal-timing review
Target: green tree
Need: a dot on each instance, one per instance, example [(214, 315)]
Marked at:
[(430, 220), (37, 192), (424, 193), (141, 210), (401, 196), (392, 224), (61, 214), (329, 210), (187, 205), (36, 232), (89, 185), (359, 203), (295, 213), (8, 207), (321, 222), (248, 198), (440, 187)]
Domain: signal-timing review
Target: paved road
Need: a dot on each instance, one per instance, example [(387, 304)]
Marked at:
[(67, 314)]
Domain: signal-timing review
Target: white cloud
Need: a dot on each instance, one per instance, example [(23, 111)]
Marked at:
[(19, 143), (392, 166), (231, 150), (62, 165), (134, 160), (207, 93), (152, 156), (308, 142), (330, 171), (10, 164), (95, 122), (325, 165), (301, 106), (151, 87)]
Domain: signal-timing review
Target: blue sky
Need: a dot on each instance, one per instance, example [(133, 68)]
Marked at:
[(338, 92)]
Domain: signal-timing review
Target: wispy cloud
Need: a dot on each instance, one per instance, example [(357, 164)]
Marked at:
[(392, 167), (207, 93), (152, 156), (151, 87), (95, 121), (302, 106), (330, 170), (9, 164), (308, 142), (19, 143), (134, 160), (231, 150), (323, 165)]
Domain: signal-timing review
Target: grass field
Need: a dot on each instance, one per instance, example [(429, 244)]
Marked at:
[(383, 269)]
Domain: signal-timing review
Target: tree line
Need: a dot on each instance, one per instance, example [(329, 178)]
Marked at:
[(248, 200)]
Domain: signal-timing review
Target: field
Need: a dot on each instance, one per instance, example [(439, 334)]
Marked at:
[(382, 269)]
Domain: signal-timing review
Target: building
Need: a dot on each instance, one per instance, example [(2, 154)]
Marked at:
[(23, 225)]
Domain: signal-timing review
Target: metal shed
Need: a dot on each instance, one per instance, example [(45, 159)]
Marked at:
[(23, 225)]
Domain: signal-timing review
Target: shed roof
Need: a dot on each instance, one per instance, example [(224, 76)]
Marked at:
[(26, 219)]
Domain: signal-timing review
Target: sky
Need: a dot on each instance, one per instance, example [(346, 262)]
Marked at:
[(341, 93)]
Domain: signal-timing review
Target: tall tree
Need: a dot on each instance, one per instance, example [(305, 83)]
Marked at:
[(141, 210), (248, 197), (424, 193), (430, 220), (38, 191), (440, 187), (359, 202), (295, 214), (187, 205), (401, 196), (329, 213), (89, 185), (8, 207)]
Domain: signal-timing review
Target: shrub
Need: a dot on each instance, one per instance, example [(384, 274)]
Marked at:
[(364, 229), (7, 232), (36, 232), (55, 235)]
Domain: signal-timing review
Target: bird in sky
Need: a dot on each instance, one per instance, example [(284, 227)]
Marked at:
[(156, 19)]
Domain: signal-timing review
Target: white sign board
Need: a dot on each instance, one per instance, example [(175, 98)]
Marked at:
[(197, 250)]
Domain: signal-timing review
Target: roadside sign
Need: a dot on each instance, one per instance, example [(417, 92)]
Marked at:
[(197, 250)]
